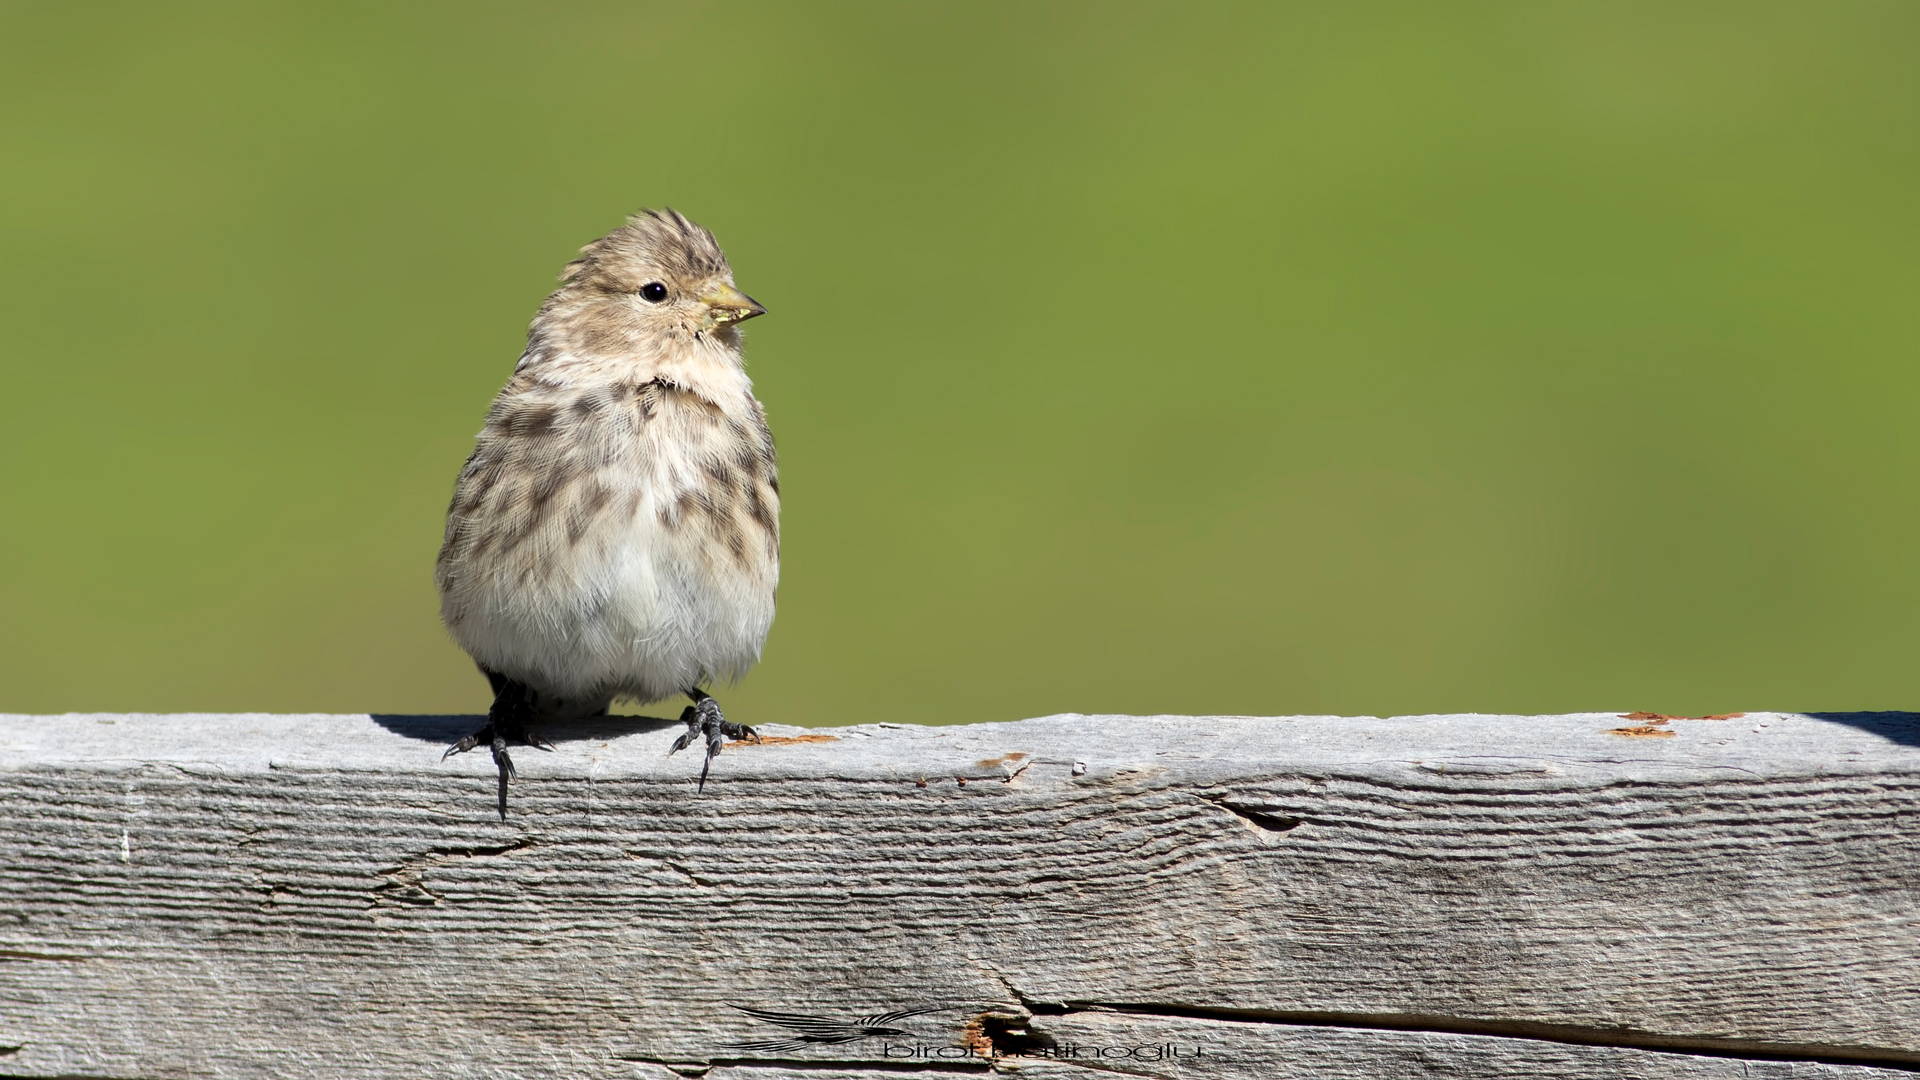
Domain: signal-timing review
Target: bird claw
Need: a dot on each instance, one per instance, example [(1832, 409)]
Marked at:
[(500, 758), (467, 743), (704, 720), (496, 735)]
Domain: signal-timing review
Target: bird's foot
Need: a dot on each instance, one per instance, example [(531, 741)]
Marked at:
[(504, 726), (704, 720)]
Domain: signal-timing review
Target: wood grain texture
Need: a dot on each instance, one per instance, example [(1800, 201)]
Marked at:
[(307, 896)]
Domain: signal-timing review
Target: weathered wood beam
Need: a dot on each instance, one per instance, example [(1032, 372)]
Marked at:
[(1525, 896)]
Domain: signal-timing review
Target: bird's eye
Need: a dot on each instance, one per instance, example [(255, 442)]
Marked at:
[(653, 292)]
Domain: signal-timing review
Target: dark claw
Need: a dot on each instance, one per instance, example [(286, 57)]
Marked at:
[(469, 742), (506, 722), (705, 720), (692, 720), (505, 765)]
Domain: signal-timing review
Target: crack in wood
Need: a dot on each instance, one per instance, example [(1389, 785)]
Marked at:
[(1743, 1049), (1005, 1036), (404, 887), (702, 1068), (1008, 1036), (67, 1076), (480, 851), (686, 873), (1262, 819), (16, 956)]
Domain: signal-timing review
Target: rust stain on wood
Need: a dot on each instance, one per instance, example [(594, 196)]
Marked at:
[(785, 740), (975, 1036), (1661, 718)]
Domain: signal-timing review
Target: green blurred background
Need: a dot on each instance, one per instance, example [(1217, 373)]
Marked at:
[(1333, 357)]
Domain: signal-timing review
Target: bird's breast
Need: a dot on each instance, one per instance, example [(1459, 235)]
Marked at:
[(629, 541)]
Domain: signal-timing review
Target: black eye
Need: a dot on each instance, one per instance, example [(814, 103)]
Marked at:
[(653, 292)]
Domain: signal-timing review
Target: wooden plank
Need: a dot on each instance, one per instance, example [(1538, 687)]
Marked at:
[(242, 896)]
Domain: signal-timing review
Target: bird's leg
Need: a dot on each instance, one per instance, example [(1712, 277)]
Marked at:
[(507, 721), (705, 720)]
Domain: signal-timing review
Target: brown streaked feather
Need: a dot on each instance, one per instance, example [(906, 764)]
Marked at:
[(624, 474), (532, 476)]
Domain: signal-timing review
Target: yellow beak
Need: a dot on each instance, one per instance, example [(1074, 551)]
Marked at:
[(730, 305)]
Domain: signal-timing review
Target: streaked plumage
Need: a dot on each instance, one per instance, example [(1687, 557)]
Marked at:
[(615, 534)]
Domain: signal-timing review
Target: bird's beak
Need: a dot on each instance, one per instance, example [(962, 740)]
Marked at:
[(730, 305)]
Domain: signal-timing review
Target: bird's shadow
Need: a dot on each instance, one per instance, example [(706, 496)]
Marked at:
[(1895, 727), (446, 730)]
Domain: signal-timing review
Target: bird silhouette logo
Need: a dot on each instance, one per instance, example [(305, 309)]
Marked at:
[(825, 1030)]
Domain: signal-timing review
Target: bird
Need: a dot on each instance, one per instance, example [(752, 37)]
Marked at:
[(615, 534)]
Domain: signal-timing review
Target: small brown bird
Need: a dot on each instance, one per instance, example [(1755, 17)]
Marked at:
[(616, 533)]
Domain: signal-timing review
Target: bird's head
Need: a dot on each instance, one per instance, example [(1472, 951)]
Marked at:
[(661, 274)]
